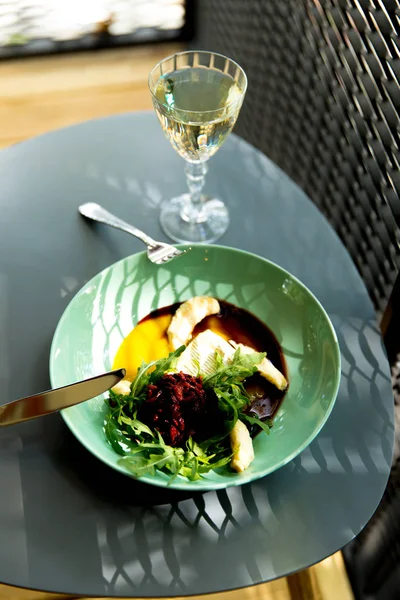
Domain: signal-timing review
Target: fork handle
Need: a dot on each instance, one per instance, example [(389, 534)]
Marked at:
[(94, 211)]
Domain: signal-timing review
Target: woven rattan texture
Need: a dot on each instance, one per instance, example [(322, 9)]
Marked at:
[(323, 103), (373, 558)]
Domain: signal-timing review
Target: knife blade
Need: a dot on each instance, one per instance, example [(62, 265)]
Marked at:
[(52, 401)]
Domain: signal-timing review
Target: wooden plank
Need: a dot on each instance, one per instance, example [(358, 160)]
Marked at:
[(12, 593), (326, 580), (41, 94), (276, 590)]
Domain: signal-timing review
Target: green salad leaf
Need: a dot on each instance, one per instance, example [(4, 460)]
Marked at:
[(143, 450), (227, 383), (147, 375)]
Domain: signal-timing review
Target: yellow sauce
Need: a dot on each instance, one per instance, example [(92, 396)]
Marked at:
[(145, 343)]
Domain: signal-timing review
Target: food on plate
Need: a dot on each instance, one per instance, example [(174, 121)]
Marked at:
[(123, 387), (189, 409), (188, 315), (265, 368), (242, 447), (199, 355)]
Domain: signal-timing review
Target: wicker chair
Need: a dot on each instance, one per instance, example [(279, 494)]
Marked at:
[(323, 103)]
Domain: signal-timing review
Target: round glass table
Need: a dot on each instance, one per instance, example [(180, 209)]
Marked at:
[(70, 524)]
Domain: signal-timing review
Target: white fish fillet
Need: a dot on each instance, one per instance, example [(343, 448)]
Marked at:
[(242, 447), (199, 356), (186, 318), (123, 387)]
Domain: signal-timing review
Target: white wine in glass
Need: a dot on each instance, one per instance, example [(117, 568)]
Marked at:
[(197, 97)]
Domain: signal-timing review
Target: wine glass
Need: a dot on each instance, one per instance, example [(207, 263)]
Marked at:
[(197, 97)]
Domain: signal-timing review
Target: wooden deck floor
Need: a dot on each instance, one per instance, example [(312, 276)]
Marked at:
[(41, 94)]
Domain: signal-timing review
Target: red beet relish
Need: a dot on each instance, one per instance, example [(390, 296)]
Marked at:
[(179, 407)]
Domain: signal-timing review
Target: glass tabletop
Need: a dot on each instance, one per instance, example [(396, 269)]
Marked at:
[(70, 524)]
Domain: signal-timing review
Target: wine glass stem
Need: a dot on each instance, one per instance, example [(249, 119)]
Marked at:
[(195, 177)]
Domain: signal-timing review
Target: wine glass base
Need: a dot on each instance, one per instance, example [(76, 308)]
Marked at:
[(209, 225)]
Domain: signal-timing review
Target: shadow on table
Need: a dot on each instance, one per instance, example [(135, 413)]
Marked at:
[(104, 483)]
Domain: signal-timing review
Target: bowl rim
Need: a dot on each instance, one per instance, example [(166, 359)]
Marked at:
[(163, 480)]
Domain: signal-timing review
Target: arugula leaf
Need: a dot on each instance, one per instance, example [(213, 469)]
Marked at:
[(239, 368), (137, 426), (165, 364), (256, 421), (248, 360), (141, 465), (227, 383), (191, 462), (117, 438), (150, 373)]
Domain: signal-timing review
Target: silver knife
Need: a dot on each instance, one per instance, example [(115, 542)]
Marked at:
[(57, 399)]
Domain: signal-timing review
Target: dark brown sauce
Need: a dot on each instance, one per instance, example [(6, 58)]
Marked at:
[(161, 312), (243, 327)]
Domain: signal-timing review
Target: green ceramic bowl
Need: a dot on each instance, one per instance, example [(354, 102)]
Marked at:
[(106, 309)]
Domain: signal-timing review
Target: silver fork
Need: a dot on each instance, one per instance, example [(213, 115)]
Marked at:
[(158, 252)]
